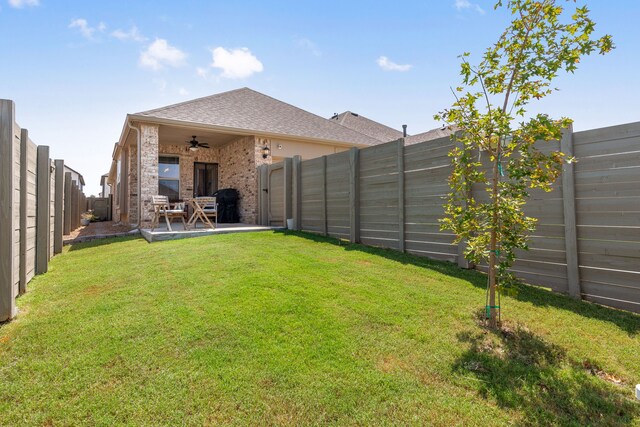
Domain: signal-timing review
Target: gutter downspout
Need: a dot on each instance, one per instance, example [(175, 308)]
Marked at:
[(139, 142)]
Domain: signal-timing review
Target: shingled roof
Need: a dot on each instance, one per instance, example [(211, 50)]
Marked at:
[(367, 126), (428, 135), (248, 110)]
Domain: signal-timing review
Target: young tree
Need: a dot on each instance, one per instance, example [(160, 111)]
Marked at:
[(490, 116)]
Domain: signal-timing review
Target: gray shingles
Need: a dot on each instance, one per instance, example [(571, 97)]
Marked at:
[(253, 111), (428, 135), (367, 126)]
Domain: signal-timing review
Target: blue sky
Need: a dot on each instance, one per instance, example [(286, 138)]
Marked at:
[(76, 68)]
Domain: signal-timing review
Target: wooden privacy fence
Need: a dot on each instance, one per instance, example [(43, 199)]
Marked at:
[(587, 242), (38, 204)]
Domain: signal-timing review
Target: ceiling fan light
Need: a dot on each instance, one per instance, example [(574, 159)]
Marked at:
[(193, 148)]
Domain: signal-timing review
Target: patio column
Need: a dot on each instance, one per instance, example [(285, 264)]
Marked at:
[(148, 178)]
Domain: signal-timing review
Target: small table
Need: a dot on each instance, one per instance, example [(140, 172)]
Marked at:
[(203, 208)]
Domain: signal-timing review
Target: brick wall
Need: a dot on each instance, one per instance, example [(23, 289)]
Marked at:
[(148, 170), (237, 162), (237, 168)]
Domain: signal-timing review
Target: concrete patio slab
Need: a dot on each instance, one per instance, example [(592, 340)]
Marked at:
[(178, 231)]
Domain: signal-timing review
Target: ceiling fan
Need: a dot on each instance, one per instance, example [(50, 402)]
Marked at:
[(195, 144)]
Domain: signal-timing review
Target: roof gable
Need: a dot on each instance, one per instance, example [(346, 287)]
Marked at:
[(249, 110)]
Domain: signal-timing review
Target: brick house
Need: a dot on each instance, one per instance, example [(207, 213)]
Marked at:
[(242, 129)]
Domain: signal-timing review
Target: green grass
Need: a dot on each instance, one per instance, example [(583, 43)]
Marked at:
[(292, 329)]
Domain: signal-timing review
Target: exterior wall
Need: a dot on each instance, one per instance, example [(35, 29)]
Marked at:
[(238, 163), (129, 199), (281, 149), (149, 139)]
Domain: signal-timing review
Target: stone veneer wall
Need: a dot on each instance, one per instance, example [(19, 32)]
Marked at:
[(148, 171), (132, 180)]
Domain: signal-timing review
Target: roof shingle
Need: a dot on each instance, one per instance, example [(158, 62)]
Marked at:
[(367, 126), (249, 110)]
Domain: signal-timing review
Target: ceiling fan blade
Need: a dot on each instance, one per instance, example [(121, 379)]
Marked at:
[(204, 145)]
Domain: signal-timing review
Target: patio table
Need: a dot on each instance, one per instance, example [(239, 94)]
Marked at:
[(203, 208)]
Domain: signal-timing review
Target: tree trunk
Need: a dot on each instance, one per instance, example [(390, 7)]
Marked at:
[(493, 246)]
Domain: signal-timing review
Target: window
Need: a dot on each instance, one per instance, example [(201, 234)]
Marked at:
[(169, 177)]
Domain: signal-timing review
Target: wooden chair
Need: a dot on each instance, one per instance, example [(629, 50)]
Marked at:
[(203, 209), (162, 208)]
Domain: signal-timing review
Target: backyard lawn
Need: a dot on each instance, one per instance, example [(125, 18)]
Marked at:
[(291, 329)]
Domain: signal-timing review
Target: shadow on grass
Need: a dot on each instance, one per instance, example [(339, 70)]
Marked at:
[(523, 372), (537, 296), (102, 242)]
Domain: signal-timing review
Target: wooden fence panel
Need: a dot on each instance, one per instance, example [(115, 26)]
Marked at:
[(426, 169), (312, 179), (338, 195), (7, 218), (607, 179), (17, 132), (379, 195), (30, 244), (52, 208)]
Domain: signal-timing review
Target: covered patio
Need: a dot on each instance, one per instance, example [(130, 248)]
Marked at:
[(181, 162)]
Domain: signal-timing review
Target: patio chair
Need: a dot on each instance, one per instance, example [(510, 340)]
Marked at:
[(203, 209), (162, 208)]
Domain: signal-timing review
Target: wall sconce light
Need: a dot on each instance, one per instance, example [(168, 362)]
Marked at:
[(265, 151)]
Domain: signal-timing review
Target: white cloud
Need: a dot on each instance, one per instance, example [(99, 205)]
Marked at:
[(102, 26), (133, 34), (202, 72), (19, 4), (236, 63), (466, 4), (161, 53), (83, 26), (388, 65), (182, 91), (309, 45)]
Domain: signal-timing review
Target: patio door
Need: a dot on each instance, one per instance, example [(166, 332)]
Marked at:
[(205, 179)]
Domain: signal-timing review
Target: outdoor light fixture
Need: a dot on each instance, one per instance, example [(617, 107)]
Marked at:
[(266, 151)]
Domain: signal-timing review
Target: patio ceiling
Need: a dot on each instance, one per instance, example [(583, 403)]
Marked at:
[(181, 135)]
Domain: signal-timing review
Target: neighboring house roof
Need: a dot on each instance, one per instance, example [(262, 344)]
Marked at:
[(367, 126), (80, 177), (247, 110), (428, 135)]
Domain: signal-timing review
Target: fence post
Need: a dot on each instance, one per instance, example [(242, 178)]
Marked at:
[(569, 206), (288, 209), (74, 206), (67, 203), (24, 147), (354, 195), (59, 206), (7, 226), (325, 225), (297, 192), (400, 168), (43, 221)]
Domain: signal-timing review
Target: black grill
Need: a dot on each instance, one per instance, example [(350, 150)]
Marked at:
[(228, 209)]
